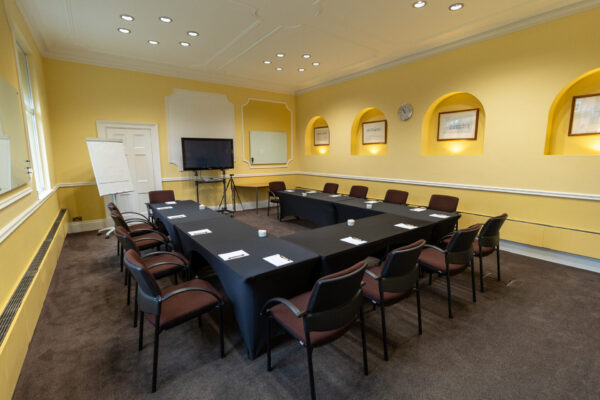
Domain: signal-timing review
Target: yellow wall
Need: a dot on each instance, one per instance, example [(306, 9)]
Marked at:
[(81, 94), (19, 248), (516, 78)]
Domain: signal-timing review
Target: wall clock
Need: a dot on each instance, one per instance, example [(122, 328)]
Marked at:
[(405, 111)]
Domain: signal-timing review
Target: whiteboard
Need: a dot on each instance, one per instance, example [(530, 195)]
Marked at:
[(194, 114), (268, 147), (110, 166), (5, 177)]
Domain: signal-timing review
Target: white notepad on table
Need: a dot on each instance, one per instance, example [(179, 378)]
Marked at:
[(164, 208), (233, 255), (289, 190), (371, 201), (406, 226), (179, 216), (170, 202), (199, 232), (278, 260), (418, 209), (335, 195), (353, 240), (439, 215), (311, 191)]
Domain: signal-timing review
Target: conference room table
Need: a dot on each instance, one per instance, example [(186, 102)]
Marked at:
[(317, 207), (248, 281)]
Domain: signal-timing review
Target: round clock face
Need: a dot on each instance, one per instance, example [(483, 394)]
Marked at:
[(405, 112)]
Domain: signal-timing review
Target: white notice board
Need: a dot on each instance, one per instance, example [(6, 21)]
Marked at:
[(110, 165), (268, 147)]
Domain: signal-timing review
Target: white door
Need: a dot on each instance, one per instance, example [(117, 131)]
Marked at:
[(141, 150)]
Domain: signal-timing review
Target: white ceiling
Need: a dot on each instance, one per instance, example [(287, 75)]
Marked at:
[(347, 37)]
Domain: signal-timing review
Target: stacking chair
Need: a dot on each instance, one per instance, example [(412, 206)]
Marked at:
[(160, 263), (396, 196), (487, 242), (171, 306), (454, 260), (143, 237), (274, 187), (393, 279), (322, 315), (138, 221), (330, 188), (359, 191), (442, 202), (160, 196)]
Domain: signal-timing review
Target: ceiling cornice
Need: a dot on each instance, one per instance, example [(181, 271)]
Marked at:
[(126, 63)]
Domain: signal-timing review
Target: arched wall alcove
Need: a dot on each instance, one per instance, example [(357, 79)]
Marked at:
[(455, 101), (310, 148), (357, 148), (558, 140)]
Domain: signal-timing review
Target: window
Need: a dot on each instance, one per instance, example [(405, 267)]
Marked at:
[(37, 147)]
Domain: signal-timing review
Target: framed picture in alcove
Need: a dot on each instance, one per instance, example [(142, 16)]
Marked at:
[(458, 125), (585, 115), (321, 136)]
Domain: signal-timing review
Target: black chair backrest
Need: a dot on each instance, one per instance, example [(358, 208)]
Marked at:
[(149, 293), (441, 202), (396, 196), (126, 240), (489, 236), (331, 188), (359, 191), (277, 186), (335, 299), (119, 220), (400, 269), (160, 196), (460, 247)]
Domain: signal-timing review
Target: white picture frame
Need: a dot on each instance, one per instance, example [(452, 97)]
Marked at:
[(585, 115), (458, 125), (321, 136)]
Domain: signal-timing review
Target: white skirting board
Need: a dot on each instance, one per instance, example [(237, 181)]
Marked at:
[(86, 226), (558, 257)]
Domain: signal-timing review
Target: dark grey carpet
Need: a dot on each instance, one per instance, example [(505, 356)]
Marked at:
[(536, 338)]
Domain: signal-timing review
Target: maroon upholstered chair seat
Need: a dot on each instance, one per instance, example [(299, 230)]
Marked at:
[(442, 202), (149, 240), (485, 250), (436, 260), (359, 191), (371, 290), (172, 261), (295, 325), (141, 226), (187, 305), (396, 196)]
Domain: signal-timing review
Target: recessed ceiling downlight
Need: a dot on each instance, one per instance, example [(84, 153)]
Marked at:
[(419, 4), (127, 18), (316, 63), (192, 33), (124, 30), (300, 69), (456, 6), (266, 62), (279, 69), (165, 19), (184, 44), (306, 56), (153, 42), (280, 55)]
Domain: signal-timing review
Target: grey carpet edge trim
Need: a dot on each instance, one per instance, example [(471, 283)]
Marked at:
[(16, 299)]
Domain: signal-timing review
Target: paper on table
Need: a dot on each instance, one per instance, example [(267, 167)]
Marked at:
[(371, 201), (164, 208), (418, 209), (335, 195), (170, 202), (438, 215), (278, 260), (233, 255), (311, 191), (177, 216), (406, 226), (289, 190), (353, 240), (199, 232)]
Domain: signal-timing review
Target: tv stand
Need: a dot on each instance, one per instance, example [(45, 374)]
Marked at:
[(204, 180)]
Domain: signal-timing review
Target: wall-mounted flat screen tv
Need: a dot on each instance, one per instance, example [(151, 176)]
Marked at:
[(200, 153)]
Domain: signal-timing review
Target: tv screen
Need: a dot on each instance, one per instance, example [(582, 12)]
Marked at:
[(207, 153)]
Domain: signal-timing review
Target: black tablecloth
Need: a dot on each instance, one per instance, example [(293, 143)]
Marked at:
[(318, 207), (247, 281), (379, 232)]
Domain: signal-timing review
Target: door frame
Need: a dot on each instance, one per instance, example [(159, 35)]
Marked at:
[(101, 129)]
